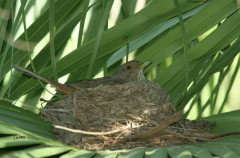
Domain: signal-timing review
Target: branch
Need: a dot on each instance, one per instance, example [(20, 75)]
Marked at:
[(154, 132), (86, 132), (214, 136)]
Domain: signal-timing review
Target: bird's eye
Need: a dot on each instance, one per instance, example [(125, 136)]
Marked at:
[(129, 67)]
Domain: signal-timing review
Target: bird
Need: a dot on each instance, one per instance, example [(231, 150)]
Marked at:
[(129, 72)]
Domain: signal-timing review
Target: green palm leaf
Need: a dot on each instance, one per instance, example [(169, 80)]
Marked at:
[(209, 29)]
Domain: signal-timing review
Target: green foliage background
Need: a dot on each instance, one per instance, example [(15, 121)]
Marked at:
[(192, 44)]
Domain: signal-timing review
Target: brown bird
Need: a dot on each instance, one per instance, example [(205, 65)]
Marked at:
[(130, 71)]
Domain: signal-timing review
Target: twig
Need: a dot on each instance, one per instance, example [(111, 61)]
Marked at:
[(173, 134), (214, 136), (57, 110), (86, 132), (154, 132), (25, 105)]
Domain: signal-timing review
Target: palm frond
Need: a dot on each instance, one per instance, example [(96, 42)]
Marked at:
[(193, 41)]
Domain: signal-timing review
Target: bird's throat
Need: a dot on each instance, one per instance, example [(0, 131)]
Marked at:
[(141, 76)]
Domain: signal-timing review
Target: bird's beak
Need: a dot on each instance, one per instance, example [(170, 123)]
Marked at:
[(145, 64)]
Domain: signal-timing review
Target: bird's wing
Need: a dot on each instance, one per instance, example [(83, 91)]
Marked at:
[(91, 83), (88, 83)]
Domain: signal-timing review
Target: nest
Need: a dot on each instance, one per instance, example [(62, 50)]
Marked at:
[(123, 116)]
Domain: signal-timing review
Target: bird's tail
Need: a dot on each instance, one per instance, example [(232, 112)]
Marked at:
[(61, 87)]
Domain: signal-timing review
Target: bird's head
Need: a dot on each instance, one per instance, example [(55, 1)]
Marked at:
[(132, 70)]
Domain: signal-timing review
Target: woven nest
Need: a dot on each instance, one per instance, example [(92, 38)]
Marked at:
[(112, 117)]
